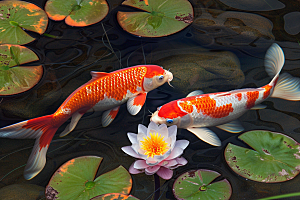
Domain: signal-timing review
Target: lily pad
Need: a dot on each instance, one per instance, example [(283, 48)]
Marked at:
[(116, 196), (14, 80), (76, 180), (197, 184), (275, 157), (77, 12), (18, 15), (158, 17)]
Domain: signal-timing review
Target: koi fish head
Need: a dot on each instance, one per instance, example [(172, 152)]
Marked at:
[(155, 77), (170, 114)]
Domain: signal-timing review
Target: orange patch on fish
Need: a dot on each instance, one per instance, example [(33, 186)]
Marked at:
[(65, 166), (73, 22), (251, 98), (267, 91), (139, 100), (113, 113), (171, 110), (207, 106), (239, 96)]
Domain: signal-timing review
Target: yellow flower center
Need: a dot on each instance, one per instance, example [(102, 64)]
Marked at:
[(154, 145)]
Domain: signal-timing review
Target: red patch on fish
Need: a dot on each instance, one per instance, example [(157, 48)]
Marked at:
[(239, 96), (207, 106), (140, 99), (251, 98), (171, 110), (267, 91), (113, 113)]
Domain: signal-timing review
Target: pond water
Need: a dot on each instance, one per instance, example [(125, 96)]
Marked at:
[(223, 49)]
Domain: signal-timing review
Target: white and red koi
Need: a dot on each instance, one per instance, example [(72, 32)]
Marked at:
[(104, 92), (198, 110)]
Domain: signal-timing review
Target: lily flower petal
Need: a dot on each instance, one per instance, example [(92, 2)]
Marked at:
[(142, 129), (152, 170), (128, 150), (152, 128), (180, 162), (176, 152), (182, 144), (172, 131), (140, 164), (163, 131), (165, 173), (133, 170), (132, 137)]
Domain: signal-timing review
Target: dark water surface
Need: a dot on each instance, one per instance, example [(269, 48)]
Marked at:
[(242, 28)]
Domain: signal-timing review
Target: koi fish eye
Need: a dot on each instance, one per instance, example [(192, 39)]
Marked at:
[(161, 77)]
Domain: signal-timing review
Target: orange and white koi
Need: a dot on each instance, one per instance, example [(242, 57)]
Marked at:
[(198, 111), (104, 92)]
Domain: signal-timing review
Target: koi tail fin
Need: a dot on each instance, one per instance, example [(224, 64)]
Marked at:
[(287, 87), (274, 62), (40, 129)]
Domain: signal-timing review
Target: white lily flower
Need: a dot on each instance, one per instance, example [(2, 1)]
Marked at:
[(158, 150)]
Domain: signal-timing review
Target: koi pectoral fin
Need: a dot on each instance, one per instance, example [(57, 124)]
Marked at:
[(258, 107), (109, 115), (206, 135), (70, 127), (135, 104), (232, 127)]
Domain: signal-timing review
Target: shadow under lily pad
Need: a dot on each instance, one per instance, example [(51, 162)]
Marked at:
[(18, 15), (77, 13), (275, 157), (158, 17), (197, 184), (14, 80), (75, 180)]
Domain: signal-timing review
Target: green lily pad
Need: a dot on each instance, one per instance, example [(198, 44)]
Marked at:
[(14, 80), (158, 18), (15, 15), (77, 12), (275, 158), (197, 184), (116, 196), (76, 180)]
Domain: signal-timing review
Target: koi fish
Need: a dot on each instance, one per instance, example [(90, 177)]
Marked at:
[(104, 92), (198, 111)]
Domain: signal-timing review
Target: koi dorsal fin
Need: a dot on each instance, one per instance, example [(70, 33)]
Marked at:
[(96, 75)]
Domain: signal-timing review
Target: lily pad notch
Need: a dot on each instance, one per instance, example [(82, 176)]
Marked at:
[(15, 79), (77, 12), (198, 184), (157, 18), (76, 179), (18, 15), (275, 157)]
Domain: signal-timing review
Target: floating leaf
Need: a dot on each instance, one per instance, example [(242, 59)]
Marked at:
[(77, 12), (196, 184), (75, 180), (14, 80), (18, 15), (275, 157), (158, 18), (116, 196)]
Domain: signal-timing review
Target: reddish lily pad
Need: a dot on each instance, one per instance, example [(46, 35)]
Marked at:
[(116, 196), (275, 157), (14, 80), (77, 12), (197, 184), (158, 17), (18, 15), (75, 180)]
